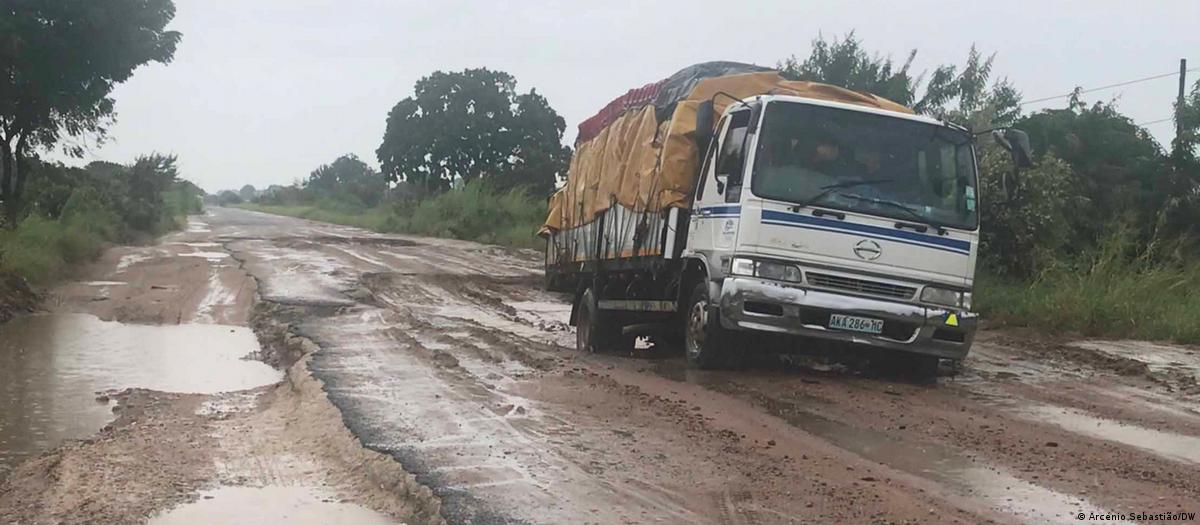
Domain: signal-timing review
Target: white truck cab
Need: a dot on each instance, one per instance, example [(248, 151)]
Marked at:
[(835, 221)]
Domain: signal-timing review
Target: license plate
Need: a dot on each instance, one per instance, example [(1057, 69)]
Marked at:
[(856, 324)]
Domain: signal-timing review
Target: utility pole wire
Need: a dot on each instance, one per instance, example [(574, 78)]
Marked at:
[(1110, 86), (1158, 121)]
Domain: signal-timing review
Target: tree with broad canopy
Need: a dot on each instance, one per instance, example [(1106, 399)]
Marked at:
[(59, 62), (473, 125)]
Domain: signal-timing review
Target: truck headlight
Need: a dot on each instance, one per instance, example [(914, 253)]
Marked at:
[(944, 297), (765, 269)]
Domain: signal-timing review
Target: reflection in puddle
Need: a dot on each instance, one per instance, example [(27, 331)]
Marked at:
[(51, 367), (104, 283), (268, 505), (1166, 444), (209, 256)]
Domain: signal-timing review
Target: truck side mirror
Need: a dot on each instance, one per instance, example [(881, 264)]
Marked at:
[(1017, 144)]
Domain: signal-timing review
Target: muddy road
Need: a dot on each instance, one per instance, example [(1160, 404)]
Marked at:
[(429, 379)]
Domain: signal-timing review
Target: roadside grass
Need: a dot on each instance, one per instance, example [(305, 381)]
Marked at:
[(44, 250), (41, 250), (472, 213), (1107, 295), (374, 219)]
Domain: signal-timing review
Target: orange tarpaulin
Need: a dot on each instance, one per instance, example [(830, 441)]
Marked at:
[(644, 165)]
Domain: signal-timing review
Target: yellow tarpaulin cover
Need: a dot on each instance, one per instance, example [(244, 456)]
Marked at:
[(645, 166)]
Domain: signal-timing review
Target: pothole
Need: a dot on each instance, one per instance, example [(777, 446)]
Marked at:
[(54, 369)]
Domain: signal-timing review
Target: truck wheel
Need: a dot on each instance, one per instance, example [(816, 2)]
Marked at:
[(594, 331), (703, 337), (924, 368), (904, 365)]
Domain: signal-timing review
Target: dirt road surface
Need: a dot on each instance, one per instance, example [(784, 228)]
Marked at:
[(430, 380)]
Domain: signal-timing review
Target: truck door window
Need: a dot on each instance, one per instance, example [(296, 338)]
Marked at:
[(731, 161)]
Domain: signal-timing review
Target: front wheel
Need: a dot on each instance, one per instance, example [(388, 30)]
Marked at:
[(704, 338)]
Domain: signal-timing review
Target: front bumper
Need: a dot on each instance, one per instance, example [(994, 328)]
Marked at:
[(754, 304)]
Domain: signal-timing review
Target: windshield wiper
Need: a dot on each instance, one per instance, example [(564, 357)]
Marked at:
[(826, 190), (941, 230)]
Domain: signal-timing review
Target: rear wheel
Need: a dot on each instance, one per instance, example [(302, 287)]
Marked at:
[(703, 337), (595, 330)]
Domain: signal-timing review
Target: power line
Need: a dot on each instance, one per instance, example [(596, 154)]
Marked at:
[(1159, 121), (1110, 86)]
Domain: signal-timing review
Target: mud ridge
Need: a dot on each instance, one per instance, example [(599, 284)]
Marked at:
[(415, 503)]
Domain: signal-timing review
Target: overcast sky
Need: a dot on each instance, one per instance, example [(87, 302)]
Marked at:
[(264, 91)]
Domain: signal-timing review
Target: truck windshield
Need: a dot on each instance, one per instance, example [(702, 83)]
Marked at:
[(868, 163)]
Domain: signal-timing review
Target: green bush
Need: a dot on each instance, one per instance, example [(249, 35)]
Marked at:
[(1020, 238), (41, 249), (474, 212), (1107, 292), (344, 203), (72, 213)]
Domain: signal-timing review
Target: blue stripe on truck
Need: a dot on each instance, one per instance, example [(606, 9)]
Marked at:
[(720, 211), (779, 218)]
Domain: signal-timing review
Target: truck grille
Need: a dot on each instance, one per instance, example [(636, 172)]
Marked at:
[(858, 285)]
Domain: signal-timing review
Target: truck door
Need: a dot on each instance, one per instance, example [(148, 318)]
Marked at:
[(716, 215)]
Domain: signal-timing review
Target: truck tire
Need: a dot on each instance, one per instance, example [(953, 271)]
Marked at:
[(594, 330), (907, 366), (924, 368), (704, 339)]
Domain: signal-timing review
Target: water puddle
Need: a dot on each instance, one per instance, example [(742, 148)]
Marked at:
[(131, 259), (269, 505), (52, 366), (195, 226), (104, 283), (1158, 357), (1167, 444), (208, 256)]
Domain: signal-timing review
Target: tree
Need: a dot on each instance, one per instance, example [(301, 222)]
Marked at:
[(1180, 213), (349, 174), (227, 197), (59, 61), (149, 177), (248, 192), (964, 95), (472, 125), (540, 157), (1118, 170), (845, 63), (1020, 241)]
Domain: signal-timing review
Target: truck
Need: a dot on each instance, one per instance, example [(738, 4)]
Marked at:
[(726, 201)]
